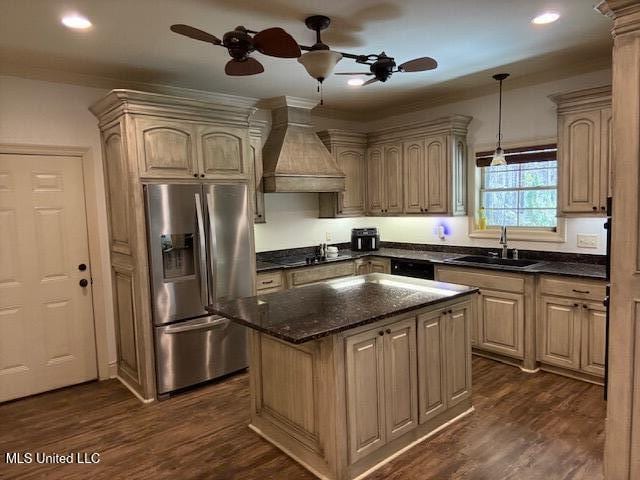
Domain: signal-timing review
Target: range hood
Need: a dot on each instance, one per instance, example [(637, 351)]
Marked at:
[(294, 158)]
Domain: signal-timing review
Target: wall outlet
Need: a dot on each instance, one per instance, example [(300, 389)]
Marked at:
[(327, 236), (586, 240)]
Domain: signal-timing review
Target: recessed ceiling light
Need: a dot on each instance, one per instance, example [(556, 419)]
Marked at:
[(546, 17), (75, 21), (355, 82)]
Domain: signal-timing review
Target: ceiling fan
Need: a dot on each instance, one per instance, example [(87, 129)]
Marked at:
[(241, 42), (382, 67), (321, 59)]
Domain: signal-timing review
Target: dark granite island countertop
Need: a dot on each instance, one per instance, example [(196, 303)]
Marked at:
[(307, 313)]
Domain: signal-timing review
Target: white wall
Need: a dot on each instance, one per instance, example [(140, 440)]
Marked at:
[(43, 113), (528, 115)]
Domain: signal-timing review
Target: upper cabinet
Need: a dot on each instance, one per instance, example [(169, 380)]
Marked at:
[(165, 148), (349, 150), (584, 151), (221, 152), (426, 175)]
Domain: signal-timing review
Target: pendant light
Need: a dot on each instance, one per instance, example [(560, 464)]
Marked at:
[(498, 155)]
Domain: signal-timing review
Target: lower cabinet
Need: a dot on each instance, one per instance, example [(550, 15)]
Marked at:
[(572, 334), (405, 373), (444, 359), (372, 265), (381, 386), (501, 322)]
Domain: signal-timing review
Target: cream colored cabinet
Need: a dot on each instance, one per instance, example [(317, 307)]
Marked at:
[(384, 180), (375, 180), (221, 152), (365, 393), (379, 265), (593, 335), (458, 352), (349, 150), (432, 375), (414, 176), (393, 179), (572, 324), (269, 282), (362, 266), (400, 368), (307, 275), (381, 386), (584, 151), (436, 176), (501, 322), (444, 358), (166, 148), (148, 136), (559, 335)]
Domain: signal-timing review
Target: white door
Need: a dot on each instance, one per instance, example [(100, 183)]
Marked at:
[(46, 317)]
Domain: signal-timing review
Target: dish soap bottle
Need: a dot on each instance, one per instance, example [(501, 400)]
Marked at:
[(482, 220)]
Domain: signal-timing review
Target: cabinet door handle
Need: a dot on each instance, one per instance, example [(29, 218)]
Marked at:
[(380, 333), (576, 304), (388, 330), (594, 208), (581, 291), (584, 306), (267, 282), (195, 175), (603, 208)]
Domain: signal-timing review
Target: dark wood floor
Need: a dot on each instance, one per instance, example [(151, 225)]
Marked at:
[(525, 427)]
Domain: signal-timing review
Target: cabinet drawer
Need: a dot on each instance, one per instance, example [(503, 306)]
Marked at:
[(269, 281), (563, 287), (308, 275), (503, 281)]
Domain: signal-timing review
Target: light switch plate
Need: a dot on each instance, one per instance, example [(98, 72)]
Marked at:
[(328, 236), (587, 240)]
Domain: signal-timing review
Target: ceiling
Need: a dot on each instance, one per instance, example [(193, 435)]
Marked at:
[(131, 42)]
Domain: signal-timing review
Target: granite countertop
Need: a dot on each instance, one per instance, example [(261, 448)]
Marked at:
[(308, 313), (572, 269)]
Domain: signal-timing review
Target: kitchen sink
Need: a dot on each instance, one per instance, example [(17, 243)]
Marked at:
[(510, 262)]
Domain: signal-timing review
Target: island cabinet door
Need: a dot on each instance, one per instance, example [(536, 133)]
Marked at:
[(593, 335), (458, 352), (431, 365), (401, 390), (365, 393)]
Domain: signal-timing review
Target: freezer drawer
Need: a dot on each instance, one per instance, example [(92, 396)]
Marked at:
[(198, 350)]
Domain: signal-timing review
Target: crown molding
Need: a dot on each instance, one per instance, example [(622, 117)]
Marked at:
[(123, 101), (339, 137), (286, 101), (625, 15), (585, 99), (451, 124)]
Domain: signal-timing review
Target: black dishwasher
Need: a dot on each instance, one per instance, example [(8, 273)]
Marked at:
[(412, 268)]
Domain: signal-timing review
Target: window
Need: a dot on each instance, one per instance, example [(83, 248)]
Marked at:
[(522, 193)]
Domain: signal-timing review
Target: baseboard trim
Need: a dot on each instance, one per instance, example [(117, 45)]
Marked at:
[(132, 390), (113, 369)]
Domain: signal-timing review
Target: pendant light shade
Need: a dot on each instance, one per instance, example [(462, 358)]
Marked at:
[(320, 63), (498, 155)]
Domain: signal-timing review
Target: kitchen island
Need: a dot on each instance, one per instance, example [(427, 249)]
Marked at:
[(347, 374)]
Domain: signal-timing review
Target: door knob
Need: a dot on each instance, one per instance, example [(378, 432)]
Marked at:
[(84, 282), (82, 267)]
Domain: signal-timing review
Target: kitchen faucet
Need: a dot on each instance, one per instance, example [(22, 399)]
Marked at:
[(503, 242)]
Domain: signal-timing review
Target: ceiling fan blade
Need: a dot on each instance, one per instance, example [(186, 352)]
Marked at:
[(419, 65), (369, 82), (353, 73), (275, 42), (240, 68), (195, 33)]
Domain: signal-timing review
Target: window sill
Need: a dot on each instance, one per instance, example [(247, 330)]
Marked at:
[(523, 234)]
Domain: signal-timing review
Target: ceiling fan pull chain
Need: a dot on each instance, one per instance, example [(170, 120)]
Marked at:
[(320, 92)]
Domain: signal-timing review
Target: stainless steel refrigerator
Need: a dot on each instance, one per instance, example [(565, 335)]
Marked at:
[(199, 250)]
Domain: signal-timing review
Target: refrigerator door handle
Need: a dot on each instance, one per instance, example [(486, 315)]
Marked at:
[(204, 325), (213, 250), (202, 257)]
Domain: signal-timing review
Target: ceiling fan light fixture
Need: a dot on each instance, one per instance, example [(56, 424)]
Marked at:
[(355, 82), (320, 63)]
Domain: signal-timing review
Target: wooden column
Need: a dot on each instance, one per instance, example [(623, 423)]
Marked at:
[(622, 449)]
